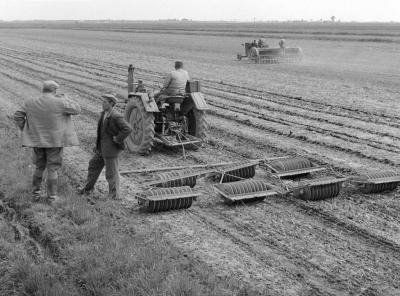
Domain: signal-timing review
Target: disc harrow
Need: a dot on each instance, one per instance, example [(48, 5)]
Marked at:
[(319, 189), (166, 199), (292, 167), (377, 182), (237, 172), (244, 191)]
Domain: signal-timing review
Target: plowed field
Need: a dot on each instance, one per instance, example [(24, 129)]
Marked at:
[(338, 107)]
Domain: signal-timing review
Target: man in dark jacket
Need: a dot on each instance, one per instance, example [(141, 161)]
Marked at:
[(112, 129)]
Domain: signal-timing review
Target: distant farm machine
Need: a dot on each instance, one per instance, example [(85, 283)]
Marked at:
[(260, 52), (171, 120)]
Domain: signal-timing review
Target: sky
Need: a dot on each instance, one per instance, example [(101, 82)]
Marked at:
[(202, 10)]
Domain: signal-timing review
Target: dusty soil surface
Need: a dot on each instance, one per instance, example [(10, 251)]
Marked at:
[(338, 107)]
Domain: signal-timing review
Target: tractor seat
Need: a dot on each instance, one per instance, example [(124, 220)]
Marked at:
[(174, 99)]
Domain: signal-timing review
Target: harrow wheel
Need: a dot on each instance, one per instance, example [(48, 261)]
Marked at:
[(141, 139), (242, 189), (376, 188), (164, 202), (319, 192), (291, 164), (184, 181)]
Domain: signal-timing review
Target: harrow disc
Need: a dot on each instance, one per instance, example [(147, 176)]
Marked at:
[(166, 199), (290, 164), (319, 189), (172, 181), (238, 172), (244, 191), (367, 182)]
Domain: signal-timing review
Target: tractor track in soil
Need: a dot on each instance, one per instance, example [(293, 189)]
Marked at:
[(302, 138), (231, 227), (323, 131), (243, 239), (213, 217)]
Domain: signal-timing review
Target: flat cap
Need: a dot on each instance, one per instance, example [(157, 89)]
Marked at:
[(178, 64), (110, 97), (50, 85)]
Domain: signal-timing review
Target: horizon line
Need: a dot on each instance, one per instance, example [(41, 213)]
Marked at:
[(204, 21)]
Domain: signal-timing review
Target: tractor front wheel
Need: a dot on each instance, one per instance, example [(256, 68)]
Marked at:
[(141, 139)]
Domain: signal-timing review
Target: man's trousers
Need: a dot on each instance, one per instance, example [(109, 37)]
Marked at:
[(96, 165), (50, 159)]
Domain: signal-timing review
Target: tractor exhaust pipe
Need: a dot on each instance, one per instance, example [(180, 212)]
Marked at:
[(130, 78)]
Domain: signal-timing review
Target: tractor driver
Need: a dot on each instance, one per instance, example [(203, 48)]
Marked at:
[(175, 83), (262, 43)]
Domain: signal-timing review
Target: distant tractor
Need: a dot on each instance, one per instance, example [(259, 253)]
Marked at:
[(260, 52), (178, 120)]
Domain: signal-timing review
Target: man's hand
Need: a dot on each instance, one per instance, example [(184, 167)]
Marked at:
[(115, 140)]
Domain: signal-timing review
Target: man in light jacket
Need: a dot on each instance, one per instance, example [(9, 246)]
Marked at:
[(175, 82), (112, 129), (46, 126)]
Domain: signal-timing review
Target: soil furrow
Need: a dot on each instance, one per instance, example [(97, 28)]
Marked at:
[(217, 102), (272, 240), (315, 287), (306, 139)]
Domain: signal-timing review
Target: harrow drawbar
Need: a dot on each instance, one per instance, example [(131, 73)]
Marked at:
[(377, 182), (319, 189), (244, 191), (165, 199)]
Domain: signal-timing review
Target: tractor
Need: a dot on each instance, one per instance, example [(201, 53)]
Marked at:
[(178, 120)]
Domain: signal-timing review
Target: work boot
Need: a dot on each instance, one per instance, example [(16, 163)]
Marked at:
[(52, 190), (35, 194), (113, 190), (85, 190), (36, 183)]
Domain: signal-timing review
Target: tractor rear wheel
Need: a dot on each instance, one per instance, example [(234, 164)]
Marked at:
[(254, 54), (197, 123), (141, 139)]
